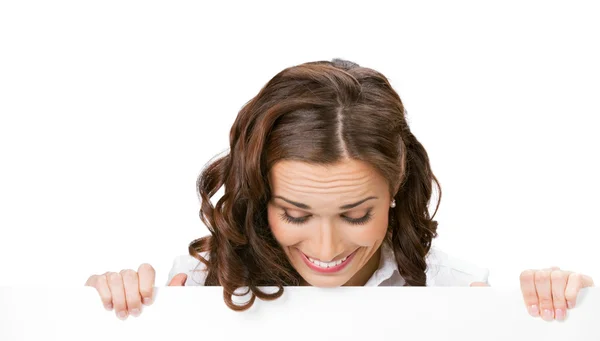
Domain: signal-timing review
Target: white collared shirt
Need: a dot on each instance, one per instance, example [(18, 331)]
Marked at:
[(442, 270)]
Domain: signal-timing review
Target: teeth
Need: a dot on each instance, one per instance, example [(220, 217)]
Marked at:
[(326, 265)]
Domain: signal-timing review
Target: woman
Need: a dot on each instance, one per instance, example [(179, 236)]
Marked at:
[(325, 185)]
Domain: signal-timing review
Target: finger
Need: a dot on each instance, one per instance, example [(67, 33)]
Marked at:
[(146, 275), (91, 281), (559, 283), (587, 281), (574, 284), (543, 287), (178, 280), (132, 292), (104, 291), (99, 283), (479, 284), (530, 297), (115, 283)]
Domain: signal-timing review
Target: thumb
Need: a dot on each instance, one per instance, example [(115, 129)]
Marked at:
[(178, 280)]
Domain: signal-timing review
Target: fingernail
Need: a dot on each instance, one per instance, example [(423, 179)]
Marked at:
[(147, 300), (548, 315), (560, 314), (135, 312), (108, 306), (122, 314), (533, 310), (570, 304)]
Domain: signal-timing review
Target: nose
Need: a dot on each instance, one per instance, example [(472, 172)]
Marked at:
[(329, 243)]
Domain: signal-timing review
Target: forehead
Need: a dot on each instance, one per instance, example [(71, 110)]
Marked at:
[(347, 177)]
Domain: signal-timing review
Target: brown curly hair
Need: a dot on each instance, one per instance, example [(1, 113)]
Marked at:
[(317, 112)]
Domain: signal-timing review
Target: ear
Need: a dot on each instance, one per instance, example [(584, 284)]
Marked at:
[(393, 194)]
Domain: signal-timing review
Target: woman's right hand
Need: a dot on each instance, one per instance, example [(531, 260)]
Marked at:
[(125, 291)]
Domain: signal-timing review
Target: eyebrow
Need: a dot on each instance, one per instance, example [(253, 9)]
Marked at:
[(306, 207)]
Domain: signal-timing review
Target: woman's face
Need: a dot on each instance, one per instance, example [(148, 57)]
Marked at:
[(330, 221)]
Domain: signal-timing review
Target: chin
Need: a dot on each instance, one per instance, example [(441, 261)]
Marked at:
[(324, 282)]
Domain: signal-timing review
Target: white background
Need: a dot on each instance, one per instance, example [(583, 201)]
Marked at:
[(110, 110)]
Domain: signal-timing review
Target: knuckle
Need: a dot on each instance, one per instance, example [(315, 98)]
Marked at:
[(531, 301), (545, 301), (542, 275), (128, 274), (558, 275), (575, 279), (113, 277), (560, 304), (146, 267), (558, 295), (526, 275)]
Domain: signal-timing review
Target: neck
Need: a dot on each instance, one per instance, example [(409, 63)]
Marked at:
[(362, 276)]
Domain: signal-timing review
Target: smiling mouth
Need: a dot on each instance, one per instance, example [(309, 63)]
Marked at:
[(327, 267)]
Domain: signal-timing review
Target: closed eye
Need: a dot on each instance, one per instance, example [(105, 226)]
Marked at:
[(301, 220)]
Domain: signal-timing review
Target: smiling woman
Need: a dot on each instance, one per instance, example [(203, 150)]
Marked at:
[(324, 185), (347, 184)]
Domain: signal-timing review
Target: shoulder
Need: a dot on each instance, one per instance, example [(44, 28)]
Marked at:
[(442, 270), (446, 270), (192, 267)]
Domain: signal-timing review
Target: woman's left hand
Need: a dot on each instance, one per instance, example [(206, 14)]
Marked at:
[(550, 292)]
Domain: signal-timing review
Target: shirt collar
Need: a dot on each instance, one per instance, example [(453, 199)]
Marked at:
[(387, 266)]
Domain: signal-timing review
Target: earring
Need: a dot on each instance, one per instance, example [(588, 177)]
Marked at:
[(393, 204)]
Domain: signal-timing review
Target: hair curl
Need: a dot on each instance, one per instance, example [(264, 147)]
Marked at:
[(317, 112)]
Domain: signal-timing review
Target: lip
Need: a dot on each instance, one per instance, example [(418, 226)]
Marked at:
[(334, 269)]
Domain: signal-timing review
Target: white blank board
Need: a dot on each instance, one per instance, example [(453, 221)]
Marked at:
[(302, 313)]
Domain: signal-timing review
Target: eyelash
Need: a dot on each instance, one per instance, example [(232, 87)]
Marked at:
[(299, 221)]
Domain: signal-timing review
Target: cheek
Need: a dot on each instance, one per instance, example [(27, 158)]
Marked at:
[(285, 234), (368, 234)]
